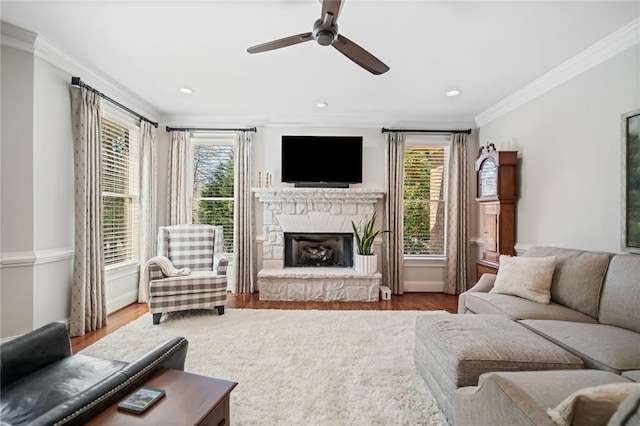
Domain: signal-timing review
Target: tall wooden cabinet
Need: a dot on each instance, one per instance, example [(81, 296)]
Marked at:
[(497, 193)]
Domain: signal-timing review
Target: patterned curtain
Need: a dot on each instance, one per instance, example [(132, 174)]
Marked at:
[(88, 296), (179, 184), (393, 249), (458, 217), (148, 191), (244, 239)]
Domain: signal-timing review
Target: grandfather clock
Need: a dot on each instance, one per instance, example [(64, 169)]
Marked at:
[(497, 193)]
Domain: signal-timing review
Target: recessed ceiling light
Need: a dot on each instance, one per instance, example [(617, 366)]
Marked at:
[(454, 92), (322, 104), (186, 91)]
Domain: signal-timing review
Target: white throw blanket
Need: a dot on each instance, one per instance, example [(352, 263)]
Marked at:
[(167, 269)]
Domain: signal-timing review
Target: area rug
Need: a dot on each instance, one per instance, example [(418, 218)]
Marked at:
[(297, 367)]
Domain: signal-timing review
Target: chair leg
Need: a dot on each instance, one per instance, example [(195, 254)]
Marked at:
[(156, 318), (220, 310)]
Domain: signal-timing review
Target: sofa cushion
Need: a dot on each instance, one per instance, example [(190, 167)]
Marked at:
[(621, 293), (578, 277), (526, 277), (517, 308), (593, 405), (34, 395), (600, 346), (632, 375)]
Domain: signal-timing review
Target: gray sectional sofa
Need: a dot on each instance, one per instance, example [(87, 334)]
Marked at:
[(594, 314)]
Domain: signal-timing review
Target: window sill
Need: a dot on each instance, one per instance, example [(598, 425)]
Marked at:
[(414, 261), (114, 272)]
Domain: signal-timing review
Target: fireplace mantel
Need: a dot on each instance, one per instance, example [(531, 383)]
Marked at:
[(322, 195)]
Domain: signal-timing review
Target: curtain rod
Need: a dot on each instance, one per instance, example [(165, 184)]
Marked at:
[(385, 130), (75, 81), (210, 129)]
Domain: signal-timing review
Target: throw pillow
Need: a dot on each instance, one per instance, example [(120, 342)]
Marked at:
[(526, 277), (592, 406)]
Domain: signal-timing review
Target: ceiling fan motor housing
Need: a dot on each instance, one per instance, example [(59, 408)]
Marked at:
[(324, 33)]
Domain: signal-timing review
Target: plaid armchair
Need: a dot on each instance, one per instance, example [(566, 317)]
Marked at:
[(199, 248)]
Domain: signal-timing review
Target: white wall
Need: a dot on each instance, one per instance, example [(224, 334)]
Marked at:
[(53, 194), (569, 148), (16, 291)]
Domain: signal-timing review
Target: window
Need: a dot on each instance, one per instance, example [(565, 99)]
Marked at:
[(213, 184), (424, 199), (120, 189)]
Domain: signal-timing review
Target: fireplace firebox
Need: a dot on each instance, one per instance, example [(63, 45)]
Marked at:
[(318, 249)]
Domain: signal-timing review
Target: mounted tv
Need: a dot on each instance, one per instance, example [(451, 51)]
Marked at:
[(322, 161)]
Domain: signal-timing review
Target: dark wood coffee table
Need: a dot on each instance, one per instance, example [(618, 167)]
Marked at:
[(190, 399)]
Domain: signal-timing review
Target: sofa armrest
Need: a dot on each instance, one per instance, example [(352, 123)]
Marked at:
[(484, 285), (497, 401), (171, 354), (220, 264), (90, 403), (33, 351)]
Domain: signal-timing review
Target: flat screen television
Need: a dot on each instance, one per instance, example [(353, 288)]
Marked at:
[(322, 161)]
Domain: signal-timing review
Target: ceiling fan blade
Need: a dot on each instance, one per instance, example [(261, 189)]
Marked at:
[(360, 56), (332, 7), (283, 42)]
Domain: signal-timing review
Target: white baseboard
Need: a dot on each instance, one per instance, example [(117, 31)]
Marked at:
[(122, 301), (423, 286)]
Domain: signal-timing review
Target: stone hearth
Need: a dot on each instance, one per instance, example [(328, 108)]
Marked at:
[(313, 210)]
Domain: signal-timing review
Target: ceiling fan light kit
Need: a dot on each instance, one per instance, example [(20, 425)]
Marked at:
[(325, 33)]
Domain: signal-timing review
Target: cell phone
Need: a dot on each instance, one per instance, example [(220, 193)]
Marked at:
[(141, 399)]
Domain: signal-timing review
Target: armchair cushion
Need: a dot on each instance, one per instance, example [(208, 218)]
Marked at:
[(190, 246), (196, 282)]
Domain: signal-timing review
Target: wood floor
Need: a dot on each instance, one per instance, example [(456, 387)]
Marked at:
[(406, 302)]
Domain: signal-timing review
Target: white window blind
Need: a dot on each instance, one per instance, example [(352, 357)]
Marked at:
[(213, 186), (120, 191), (424, 204)]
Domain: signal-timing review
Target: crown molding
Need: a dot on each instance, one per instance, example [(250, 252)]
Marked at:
[(610, 46), (18, 38), (315, 121), (30, 42)]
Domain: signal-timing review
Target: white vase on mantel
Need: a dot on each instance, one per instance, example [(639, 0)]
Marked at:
[(366, 264)]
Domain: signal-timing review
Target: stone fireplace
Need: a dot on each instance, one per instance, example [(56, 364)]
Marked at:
[(319, 219)]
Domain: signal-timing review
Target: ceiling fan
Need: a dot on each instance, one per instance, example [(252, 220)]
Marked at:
[(325, 32)]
